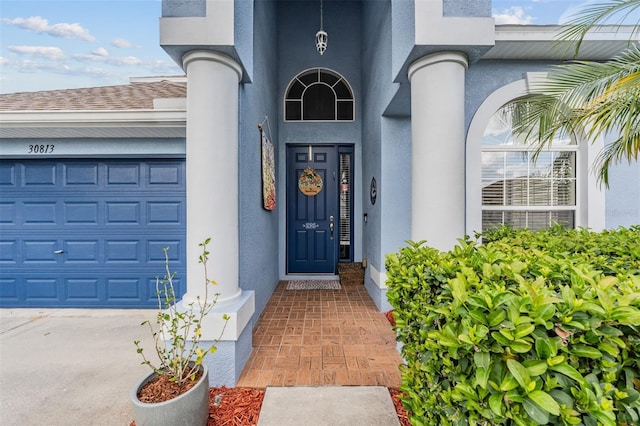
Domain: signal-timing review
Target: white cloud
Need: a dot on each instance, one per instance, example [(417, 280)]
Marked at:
[(121, 43), (38, 24), (95, 56), (51, 53), (128, 60), (513, 16), (162, 67), (101, 51), (3, 60)]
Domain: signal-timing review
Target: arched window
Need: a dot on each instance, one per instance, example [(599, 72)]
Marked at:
[(504, 184), (319, 94)]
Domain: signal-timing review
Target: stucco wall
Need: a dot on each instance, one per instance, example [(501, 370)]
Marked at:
[(466, 8), (259, 229), (403, 33), (485, 77), (376, 83), (184, 8), (386, 143)]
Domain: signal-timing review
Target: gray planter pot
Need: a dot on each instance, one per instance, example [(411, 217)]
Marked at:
[(189, 409)]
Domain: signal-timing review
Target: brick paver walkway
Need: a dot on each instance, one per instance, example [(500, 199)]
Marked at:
[(322, 337)]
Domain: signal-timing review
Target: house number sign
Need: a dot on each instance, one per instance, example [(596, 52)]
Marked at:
[(40, 149), (310, 182)]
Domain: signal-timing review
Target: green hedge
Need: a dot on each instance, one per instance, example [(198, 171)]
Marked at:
[(526, 328)]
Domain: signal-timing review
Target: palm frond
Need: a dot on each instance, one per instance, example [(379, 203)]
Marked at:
[(595, 98), (580, 23), (614, 153)]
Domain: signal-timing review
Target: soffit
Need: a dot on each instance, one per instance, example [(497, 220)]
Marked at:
[(541, 42)]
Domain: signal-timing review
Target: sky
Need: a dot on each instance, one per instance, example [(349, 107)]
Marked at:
[(65, 44)]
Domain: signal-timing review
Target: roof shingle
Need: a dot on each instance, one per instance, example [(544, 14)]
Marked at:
[(134, 96)]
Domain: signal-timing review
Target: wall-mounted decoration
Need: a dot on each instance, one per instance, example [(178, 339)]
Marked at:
[(268, 172), (373, 190), (310, 182)]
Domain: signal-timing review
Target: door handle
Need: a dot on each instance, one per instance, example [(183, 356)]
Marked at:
[(331, 226)]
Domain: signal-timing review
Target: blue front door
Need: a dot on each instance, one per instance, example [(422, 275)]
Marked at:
[(312, 209)]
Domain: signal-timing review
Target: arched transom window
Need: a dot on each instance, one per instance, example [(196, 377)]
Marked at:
[(519, 191), (319, 94)]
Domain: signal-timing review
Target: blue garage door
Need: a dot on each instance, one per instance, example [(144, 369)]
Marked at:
[(80, 233)]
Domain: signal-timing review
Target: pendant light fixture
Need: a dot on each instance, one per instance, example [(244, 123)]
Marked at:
[(321, 36)]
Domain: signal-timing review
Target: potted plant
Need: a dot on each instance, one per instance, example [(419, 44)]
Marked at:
[(177, 391)]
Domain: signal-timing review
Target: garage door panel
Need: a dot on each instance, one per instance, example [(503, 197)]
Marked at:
[(8, 175), (127, 212), (39, 174), (119, 251), (36, 213), (40, 251), (165, 174), (9, 290), (152, 287), (123, 289), (8, 252), (155, 251), (81, 175), (81, 213), (8, 213), (42, 289), (83, 290), (123, 174), (101, 245), (81, 251), (159, 213)]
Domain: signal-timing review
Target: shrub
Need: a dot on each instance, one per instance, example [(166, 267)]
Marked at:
[(177, 333), (527, 328)]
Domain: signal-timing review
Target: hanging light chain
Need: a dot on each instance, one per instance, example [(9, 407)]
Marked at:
[(321, 36)]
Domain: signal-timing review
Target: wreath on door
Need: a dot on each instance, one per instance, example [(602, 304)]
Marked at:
[(310, 182)]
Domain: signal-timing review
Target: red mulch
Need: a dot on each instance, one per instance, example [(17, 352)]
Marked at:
[(403, 415), (234, 406), (241, 406), (390, 318), (162, 389)]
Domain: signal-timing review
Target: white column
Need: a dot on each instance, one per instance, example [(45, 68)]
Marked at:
[(438, 147), (212, 173)]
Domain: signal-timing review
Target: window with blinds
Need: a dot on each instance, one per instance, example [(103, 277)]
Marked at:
[(523, 191), (345, 207)]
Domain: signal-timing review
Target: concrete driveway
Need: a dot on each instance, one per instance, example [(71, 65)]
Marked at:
[(70, 366)]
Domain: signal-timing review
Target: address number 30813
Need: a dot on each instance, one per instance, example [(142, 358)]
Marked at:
[(41, 149)]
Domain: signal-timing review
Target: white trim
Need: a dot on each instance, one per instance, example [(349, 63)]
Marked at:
[(379, 278), (595, 194), (435, 58), (94, 148), (166, 123), (209, 55), (541, 42), (115, 118)]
